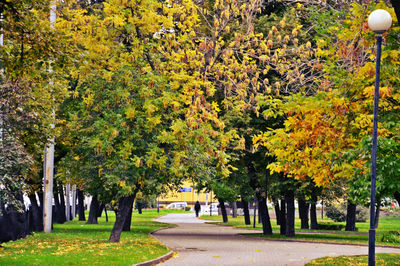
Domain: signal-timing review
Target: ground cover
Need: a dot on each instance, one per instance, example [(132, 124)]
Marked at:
[(75, 243), (386, 224)]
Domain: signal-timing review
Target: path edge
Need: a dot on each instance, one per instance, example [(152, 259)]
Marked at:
[(162, 258), (156, 260)]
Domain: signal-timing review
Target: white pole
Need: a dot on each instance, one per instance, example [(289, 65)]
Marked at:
[(49, 172), (1, 35), (67, 202), (73, 212)]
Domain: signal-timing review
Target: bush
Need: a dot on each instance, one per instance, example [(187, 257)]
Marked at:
[(337, 212), (187, 208), (391, 237)]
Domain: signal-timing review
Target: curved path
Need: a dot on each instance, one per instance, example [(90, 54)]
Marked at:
[(200, 243)]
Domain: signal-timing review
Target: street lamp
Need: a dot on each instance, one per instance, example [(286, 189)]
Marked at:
[(379, 21)]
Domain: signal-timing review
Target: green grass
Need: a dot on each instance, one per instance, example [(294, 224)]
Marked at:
[(386, 223), (380, 259), (75, 243)]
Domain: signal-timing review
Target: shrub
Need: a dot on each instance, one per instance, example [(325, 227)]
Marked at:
[(187, 208), (391, 237), (337, 212)]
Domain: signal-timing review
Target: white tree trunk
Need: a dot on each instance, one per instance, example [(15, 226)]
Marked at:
[(73, 211), (48, 188), (67, 202), (1, 35), (49, 161)]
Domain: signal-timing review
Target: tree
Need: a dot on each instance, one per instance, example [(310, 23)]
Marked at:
[(129, 112), (27, 98), (315, 142)]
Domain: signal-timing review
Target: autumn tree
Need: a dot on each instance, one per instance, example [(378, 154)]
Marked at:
[(354, 79), (321, 129), (136, 109), (30, 47)]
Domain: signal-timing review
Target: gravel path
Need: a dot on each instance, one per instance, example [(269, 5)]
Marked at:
[(200, 243)]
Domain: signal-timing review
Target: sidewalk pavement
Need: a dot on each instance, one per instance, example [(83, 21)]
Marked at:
[(199, 243)]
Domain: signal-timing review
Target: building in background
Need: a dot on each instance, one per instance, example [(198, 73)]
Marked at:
[(187, 193)]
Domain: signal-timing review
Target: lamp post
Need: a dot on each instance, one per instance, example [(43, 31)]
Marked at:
[(379, 21)]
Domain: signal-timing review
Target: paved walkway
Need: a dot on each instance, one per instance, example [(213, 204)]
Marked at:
[(199, 243)]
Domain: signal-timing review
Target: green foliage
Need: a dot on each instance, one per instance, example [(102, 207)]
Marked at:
[(124, 114), (387, 169), (391, 237), (27, 97), (14, 163)]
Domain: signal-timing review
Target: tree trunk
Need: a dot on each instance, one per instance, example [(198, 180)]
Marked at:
[(73, 204), (266, 221), (128, 221), (63, 217), (313, 211), (100, 210), (254, 211), (81, 206), (57, 214), (93, 211), (303, 212), (377, 212), (396, 196), (247, 220), (234, 209), (277, 211), (263, 211), (290, 214), (37, 214), (351, 216), (105, 211), (322, 209), (223, 210), (282, 217), (41, 200), (139, 207), (125, 204), (67, 202)]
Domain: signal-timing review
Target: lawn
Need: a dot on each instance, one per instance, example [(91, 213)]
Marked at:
[(75, 243), (386, 223), (380, 259)]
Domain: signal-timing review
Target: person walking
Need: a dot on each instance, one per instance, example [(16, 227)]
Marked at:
[(197, 208)]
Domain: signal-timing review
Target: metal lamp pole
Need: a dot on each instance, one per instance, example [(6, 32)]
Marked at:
[(379, 21)]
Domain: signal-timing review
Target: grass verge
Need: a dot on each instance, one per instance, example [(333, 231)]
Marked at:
[(75, 243), (380, 259), (386, 223)]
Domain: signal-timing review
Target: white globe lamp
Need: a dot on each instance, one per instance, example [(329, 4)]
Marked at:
[(379, 21)]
